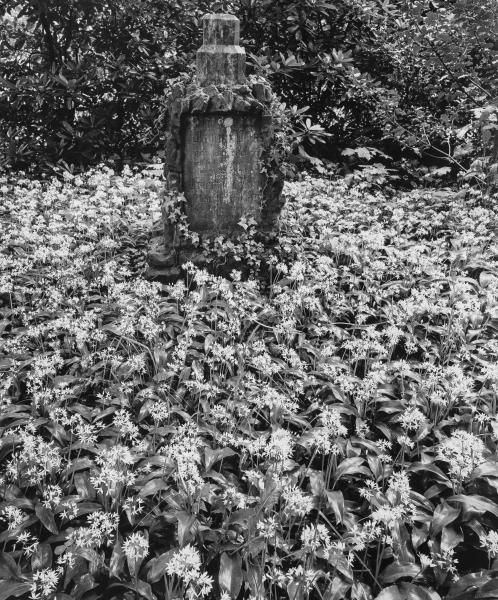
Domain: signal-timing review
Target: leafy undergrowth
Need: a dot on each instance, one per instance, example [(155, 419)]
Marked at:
[(326, 431)]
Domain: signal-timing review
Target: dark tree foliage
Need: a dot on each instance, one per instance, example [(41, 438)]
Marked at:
[(83, 80)]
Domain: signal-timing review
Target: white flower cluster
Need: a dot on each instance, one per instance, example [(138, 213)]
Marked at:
[(183, 449), (35, 460), (463, 452), (186, 565), (114, 470), (136, 547)]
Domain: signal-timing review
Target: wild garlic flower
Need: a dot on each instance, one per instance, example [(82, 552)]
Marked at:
[(232, 497), (134, 505), (280, 445), (395, 504), (314, 537), (490, 372), (489, 541), (360, 536), (101, 529), (463, 451), (330, 418), (185, 564), (52, 496), (114, 470), (412, 419), (271, 398), (45, 583), (267, 527), (36, 459), (296, 501), (306, 577), (14, 516), (203, 586), (183, 449), (125, 426), (136, 547)]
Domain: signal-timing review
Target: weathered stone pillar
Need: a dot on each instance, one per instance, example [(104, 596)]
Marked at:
[(218, 142)]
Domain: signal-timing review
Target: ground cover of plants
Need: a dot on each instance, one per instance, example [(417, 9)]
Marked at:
[(323, 429)]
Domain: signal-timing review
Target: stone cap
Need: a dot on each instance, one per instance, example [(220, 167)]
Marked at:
[(220, 30), (220, 60)]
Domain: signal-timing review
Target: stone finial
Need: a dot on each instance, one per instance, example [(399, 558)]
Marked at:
[(220, 59)]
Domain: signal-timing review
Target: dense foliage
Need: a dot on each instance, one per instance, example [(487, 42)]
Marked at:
[(326, 430), (416, 79)]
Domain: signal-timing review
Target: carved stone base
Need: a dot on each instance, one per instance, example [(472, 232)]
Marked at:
[(165, 262)]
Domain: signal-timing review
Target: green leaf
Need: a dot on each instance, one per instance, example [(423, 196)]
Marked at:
[(142, 587), (396, 570), (85, 489), (153, 486), (336, 502), (186, 522), (117, 558), (470, 583), (10, 589), (411, 591), (156, 567), (489, 590), (390, 593), (84, 584), (450, 539), (407, 591), (295, 590), (46, 517), (230, 574), (473, 505), (487, 469), (441, 477), (444, 514), (351, 466), (8, 567), (42, 557)]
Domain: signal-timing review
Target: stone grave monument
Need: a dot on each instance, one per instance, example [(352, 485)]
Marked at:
[(217, 150)]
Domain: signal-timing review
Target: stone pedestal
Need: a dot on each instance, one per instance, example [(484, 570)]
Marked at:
[(218, 142)]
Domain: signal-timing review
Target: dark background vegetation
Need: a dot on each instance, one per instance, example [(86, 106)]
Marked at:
[(405, 84)]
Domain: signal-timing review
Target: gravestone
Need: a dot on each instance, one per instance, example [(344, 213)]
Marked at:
[(217, 148)]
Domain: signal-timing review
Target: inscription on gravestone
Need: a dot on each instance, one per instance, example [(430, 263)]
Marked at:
[(222, 170)]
